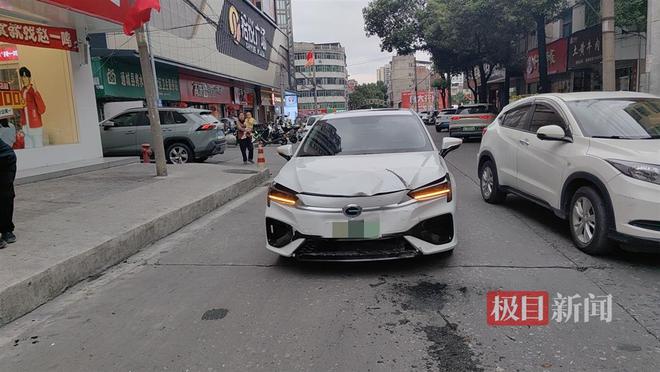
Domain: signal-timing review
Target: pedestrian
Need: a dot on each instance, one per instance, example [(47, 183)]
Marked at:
[(7, 177), (244, 136)]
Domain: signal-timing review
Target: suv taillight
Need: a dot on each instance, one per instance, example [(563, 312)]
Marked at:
[(207, 126), (454, 118), (486, 117)]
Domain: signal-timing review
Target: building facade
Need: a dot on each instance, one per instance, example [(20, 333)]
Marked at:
[(331, 78), (408, 75), (213, 64)]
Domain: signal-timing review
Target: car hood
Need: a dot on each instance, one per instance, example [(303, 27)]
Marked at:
[(361, 175), (643, 151)]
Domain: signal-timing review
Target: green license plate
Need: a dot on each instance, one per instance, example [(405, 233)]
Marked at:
[(356, 229)]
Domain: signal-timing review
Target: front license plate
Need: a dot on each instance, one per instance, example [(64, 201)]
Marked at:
[(356, 229)]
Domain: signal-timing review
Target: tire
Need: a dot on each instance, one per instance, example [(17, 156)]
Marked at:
[(179, 153), (489, 184), (589, 222), (437, 129)]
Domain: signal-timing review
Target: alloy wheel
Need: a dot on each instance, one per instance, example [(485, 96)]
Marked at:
[(179, 155), (487, 182), (583, 220)]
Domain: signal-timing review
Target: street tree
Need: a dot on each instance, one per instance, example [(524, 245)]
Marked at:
[(538, 11), (370, 95), (396, 23)]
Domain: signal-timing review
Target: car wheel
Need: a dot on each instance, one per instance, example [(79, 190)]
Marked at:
[(489, 184), (179, 153), (589, 221)]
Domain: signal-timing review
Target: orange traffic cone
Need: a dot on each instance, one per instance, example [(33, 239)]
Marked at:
[(261, 157)]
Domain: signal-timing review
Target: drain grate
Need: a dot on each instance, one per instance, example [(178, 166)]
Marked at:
[(240, 171)]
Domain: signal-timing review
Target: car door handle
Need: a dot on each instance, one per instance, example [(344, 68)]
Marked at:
[(524, 142)]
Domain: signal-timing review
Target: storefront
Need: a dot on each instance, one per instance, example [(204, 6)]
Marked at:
[(46, 91), (584, 59), (560, 79), (120, 79), (205, 93)]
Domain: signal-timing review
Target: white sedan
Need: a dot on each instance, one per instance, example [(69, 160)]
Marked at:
[(364, 185)]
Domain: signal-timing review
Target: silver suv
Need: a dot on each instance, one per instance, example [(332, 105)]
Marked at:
[(189, 134)]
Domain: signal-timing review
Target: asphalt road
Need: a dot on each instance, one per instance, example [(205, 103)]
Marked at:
[(211, 298)]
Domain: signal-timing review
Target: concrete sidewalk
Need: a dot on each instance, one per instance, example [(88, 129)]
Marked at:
[(74, 227)]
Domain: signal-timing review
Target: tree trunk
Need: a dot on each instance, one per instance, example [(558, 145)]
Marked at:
[(470, 76), (443, 95), (483, 88), (544, 82), (504, 95), (449, 93)]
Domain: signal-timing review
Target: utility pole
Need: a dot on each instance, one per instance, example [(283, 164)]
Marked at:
[(416, 100), (281, 91), (316, 98), (153, 62), (609, 69), (653, 48), (151, 95)]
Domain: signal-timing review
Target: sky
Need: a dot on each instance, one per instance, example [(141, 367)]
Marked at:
[(322, 21)]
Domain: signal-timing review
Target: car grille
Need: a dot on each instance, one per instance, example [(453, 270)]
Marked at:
[(349, 250)]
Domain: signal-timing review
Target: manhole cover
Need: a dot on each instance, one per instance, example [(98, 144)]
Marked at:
[(240, 171)]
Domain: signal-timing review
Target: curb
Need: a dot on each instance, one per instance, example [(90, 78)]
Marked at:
[(42, 287)]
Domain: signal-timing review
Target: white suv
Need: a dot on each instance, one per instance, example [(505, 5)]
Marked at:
[(593, 158)]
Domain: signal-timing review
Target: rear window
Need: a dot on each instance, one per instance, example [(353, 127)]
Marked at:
[(209, 118), (618, 118), (366, 135), (484, 109)]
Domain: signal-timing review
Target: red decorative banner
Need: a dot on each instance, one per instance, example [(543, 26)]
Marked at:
[(39, 36)]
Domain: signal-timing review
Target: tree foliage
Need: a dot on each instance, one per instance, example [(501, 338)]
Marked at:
[(631, 14), (396, 23), (371, 95)]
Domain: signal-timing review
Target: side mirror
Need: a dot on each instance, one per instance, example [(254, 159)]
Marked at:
[(450, 144), (285, 151), (108, 124), (551, 133)]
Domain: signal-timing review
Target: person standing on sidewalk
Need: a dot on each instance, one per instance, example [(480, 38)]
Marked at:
[(7, 176), (244, 136)]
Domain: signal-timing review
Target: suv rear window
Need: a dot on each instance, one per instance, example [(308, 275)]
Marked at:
[(481, 109)]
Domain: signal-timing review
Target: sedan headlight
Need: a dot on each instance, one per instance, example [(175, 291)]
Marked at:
[(282, 195), (640, 171), (434, 191)]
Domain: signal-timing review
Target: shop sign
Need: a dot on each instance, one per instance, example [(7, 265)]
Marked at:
[(39, 36), (245, 34), (195, 89), (585, 48), (424, 100), (12, 98), (8, 53), (556, 54), (119, 79), (109, 10)]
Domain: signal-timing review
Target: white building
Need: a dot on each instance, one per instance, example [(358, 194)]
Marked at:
[(331, 78)]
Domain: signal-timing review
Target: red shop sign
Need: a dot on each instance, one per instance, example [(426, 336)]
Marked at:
[(194, 89), (557, 53), (8, 53), (39, 36)]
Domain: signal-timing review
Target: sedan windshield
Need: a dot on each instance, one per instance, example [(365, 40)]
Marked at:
[(618, 118), (366, 135)]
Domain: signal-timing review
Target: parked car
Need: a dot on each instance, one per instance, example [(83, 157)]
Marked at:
[(592, 158), (470, 120), (188, 134), (442, 119), (308, 124), (363, 185)]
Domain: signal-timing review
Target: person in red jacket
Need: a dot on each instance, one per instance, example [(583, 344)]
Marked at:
[(31, 113)]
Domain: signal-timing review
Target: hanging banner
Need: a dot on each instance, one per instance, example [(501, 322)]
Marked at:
[(243, 33), (39, 36)]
